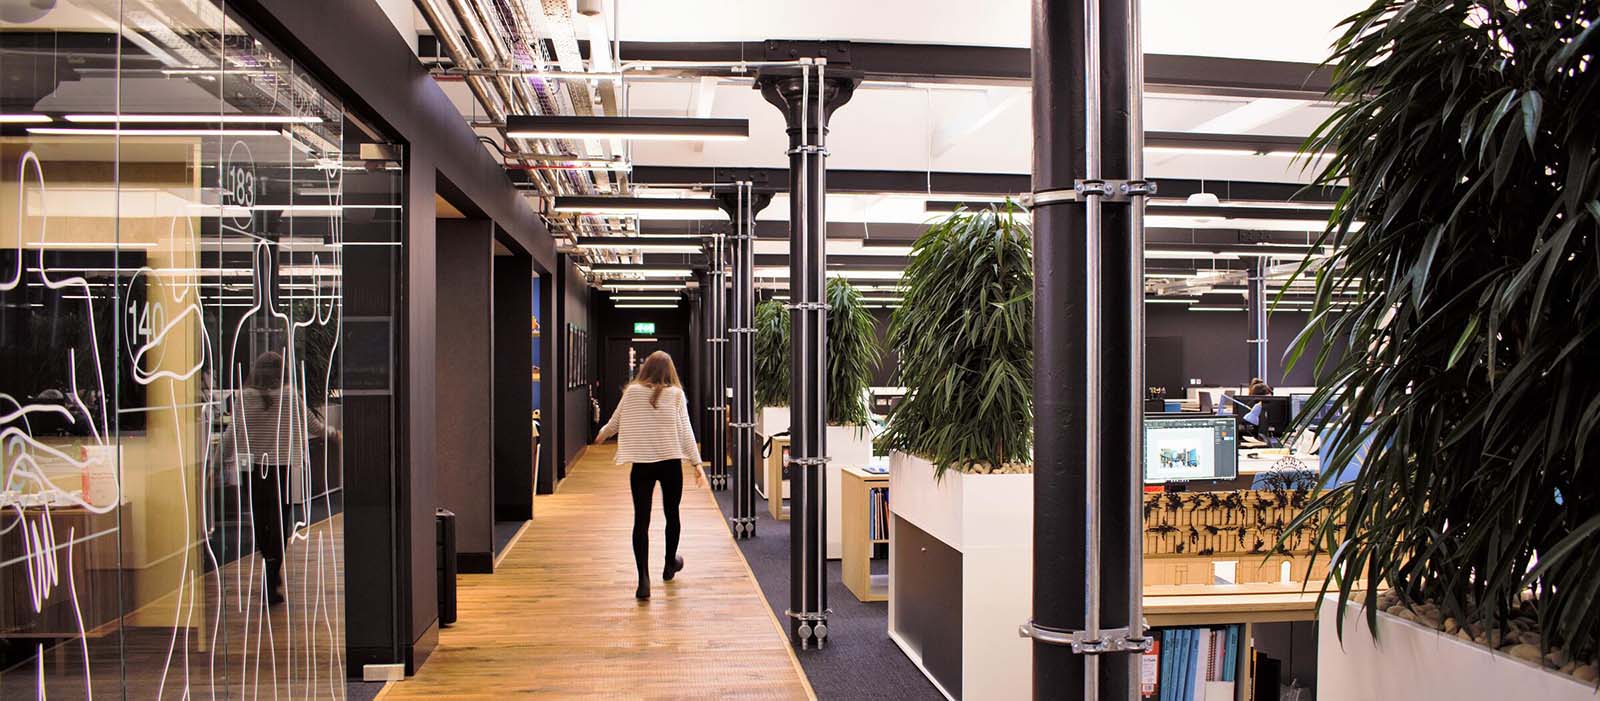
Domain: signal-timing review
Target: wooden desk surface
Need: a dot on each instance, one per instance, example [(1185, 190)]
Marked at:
[(1199, 604), (861, 474)]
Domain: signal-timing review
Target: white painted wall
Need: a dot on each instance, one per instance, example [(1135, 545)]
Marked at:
[(403, 14)]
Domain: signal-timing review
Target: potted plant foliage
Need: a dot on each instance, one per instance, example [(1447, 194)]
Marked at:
[(771, 367), (964, 334), (1466, 139), (960, 442)]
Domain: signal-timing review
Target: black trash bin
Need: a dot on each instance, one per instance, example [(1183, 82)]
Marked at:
[(445, 522)]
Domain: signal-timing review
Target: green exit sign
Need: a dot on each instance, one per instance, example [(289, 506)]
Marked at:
[(644, 328)]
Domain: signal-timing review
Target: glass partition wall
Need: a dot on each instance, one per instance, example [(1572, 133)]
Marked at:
[(171, 262)]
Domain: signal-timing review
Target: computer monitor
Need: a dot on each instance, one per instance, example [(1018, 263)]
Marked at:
[(1178, 449), (1274, 419), (1297, 404)]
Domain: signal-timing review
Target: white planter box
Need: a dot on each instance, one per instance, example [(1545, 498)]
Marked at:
[(772, 419), (989, 520), (1411, 661), (849, 446)]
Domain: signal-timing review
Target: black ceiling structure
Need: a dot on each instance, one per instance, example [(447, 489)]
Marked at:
[(994, 184), (936, 63)]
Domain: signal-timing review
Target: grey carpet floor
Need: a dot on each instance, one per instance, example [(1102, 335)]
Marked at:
[(860, 662), (364, 691), (504, 531)]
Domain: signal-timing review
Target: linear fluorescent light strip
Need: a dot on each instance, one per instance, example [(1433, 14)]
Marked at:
[(641, 271), (646, 298), (641, 286), (635, 205), (25, 119), (646, 306), (523, 126), (1199, 151), (674, 244), (93, 131), (147, 118)]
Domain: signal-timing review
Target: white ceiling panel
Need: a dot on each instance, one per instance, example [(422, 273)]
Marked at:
[(1280, 30)]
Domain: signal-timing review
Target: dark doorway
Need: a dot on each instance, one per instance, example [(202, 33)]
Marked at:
[(624, 354)]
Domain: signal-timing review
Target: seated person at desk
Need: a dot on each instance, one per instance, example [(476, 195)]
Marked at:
[(1259, 388)]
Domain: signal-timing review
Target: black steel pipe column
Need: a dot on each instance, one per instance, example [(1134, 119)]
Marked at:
[(1088, 348), (808, 94), (742, 205), (1256, 318), (716, 295), (703, 380)]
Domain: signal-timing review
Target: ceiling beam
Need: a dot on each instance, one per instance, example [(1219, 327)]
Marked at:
[(945, 63), (994, 184)]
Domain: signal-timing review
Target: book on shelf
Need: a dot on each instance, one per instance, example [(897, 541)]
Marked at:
[(1192, 664), (878, 513)]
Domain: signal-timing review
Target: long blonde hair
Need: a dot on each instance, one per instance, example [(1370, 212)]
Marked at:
[(657, 373)]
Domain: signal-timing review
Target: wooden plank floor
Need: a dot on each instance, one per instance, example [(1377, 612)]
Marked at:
[(558, 619)]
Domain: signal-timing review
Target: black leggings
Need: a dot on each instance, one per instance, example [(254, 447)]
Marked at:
[(272, 519), (642, 481)]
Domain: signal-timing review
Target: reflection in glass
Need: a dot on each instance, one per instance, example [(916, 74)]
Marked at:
[(170, 212)]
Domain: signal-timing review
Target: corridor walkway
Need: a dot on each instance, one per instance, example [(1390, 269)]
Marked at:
[(558, 618)]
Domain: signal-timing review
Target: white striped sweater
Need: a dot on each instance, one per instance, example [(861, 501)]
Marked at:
[(651, 433)]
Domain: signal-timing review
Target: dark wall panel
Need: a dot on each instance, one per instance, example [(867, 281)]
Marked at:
[(513, 388), (419, 372), (577, 414), (465, 438), (1214, 348), (550, 390)]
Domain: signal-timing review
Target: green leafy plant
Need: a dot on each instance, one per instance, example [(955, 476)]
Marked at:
[(964, 336), (1466, 138), (853, 352), (772, 353)]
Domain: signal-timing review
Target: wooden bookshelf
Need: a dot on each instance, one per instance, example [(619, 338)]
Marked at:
[(856, 487)]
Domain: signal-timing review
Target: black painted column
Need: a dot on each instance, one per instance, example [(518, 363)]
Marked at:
[(703, 379), (742, 206), (1256, 318), (1088, 349), (808, 95), (716, 300)]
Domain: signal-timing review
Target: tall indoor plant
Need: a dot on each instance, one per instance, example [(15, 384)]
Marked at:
[(853, 352), (1466, 140), (771, 353), (964, 335)]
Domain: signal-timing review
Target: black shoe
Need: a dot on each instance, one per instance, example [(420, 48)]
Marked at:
[(672, 568), (274, 583), (643, 594)]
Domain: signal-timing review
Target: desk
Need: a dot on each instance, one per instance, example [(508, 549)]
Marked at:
[(1269, 459)]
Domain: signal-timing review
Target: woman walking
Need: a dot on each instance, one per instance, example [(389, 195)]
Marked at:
[(652, 428), (271, 424)]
